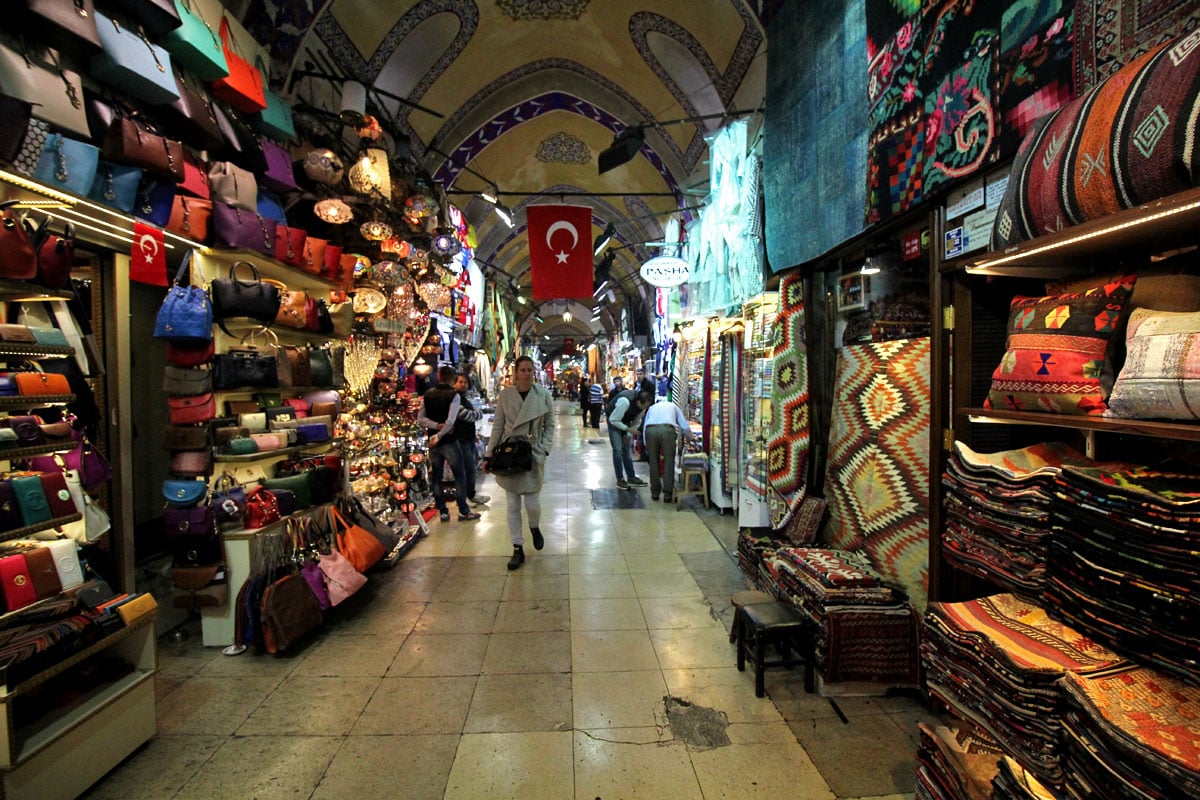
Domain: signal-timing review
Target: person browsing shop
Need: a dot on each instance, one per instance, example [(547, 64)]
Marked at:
[(466, 436), (624, 412), (644, 383), (595, 404), (662, 425), (523, 410), (438, 413)]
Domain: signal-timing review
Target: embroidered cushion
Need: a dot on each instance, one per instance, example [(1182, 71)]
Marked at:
[(1161, 376), (1057, 348)]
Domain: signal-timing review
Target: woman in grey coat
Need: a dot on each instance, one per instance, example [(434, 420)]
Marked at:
[(523, 410)]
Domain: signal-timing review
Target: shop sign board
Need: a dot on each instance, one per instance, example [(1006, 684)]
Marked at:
[(666, 271)]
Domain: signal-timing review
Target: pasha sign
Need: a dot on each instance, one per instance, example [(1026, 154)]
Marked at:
[(666, 271)]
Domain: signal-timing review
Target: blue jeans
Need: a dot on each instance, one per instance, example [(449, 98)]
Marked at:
[(620, 453), (438, 456), (466, 454)]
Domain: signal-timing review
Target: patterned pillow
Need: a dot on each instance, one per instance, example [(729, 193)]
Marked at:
[(1161, 376), (1057, 347)]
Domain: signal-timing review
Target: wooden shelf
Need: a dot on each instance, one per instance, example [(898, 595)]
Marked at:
[(23, 292), (270, 263), (34, 350), (1134, 427), (13, 453), (225, 458), (75, 658), (36, 400), (29, 530)]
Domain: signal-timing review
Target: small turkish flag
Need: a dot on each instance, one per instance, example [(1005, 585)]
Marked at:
[(560, 251), (148, 255)]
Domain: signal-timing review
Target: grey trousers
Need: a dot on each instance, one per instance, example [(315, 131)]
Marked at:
[(661, 439)]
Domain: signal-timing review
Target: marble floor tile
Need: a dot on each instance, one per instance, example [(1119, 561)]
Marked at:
[(601, 586), (312, 706), (440, 654), (398, 622), (724, 689), (763, 761), (413, 705), (632, 762), (538, 651), (212, 705), (262, 767), (477, 589), (598, 564), (523, 702), (678, 612), (666, 585), (686, 648), (159, 769), (606, 614), (530, 585), (530, 766), (868, 756), (350, 656), (618, 699), (612, 651), (457, 617), (395, 767), (521, 616)]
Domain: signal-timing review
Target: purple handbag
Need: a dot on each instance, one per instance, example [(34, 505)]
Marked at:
[(316, 583), (279, 175), (193, 521), (243, 229), (85, 460), (286, 499)]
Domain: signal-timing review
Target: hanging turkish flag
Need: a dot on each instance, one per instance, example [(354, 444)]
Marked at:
[(560, 251), (148, 255)]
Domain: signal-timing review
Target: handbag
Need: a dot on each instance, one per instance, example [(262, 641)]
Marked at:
[(234, 186), (289, 612), (69, 26), (191, 410), (279, 174), (185, 437), (41, 384), (10, 514), (290, 244), (14, 122), (266, 442), (68, 164), (331, 268), (190, 463), (241, 144), (158, 17), (236, 228), (293, 310), (184, 493), (66, 563), (228, 499), (129, 141), (129, 61), (58, 497), (56, 258), (242, 445), (254, 422), (207, 586), (28, 430), (16, 582), (261, 508), (194, 44), (190, 354), (359, 547), (225, 435), (276, 119), (116, 185), (193, 116), (35, 74), (245, 367), (156, 200), (320, 369), (186, 313), (512, 456), (87, 463), (341, 579), (301, 368), (195, 178), (270, 207), (299, 485), (237, 297), (31, 500), (357, 513), (18, 259), (186, 381), (95, 522), (190, 217), (242, 88), (315, 251)]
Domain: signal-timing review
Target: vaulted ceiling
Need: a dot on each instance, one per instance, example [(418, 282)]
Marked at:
[(526, 93)]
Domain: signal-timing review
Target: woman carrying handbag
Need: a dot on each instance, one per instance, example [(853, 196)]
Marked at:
[(523, 410)]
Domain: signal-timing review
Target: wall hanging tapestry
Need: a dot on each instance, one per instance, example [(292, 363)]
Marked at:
[(731, 417), (877, 480), (1112, 33), (787, 453)]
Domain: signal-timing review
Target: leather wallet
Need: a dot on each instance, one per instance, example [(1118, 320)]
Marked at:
[(10, 513), (28, 430), (255, 423), (66, 562), (317, 432), (226, 435), (323, 409), (58, 497), (284, 412), (16, 582), (16, 333), (96, 593), (236, 408), (31, 499), (41, 568)]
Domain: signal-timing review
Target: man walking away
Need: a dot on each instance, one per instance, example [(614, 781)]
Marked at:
[(439, 412), (624, 413), (465, 435), (664, 424), (595, 403)]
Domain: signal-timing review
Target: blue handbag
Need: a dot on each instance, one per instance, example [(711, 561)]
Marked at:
[(276, 119), (67, 163), (154, 202), (133, 64), (195, 45), (269, 207), (186, 313), (184, 492), (116, 185), (8, 386)]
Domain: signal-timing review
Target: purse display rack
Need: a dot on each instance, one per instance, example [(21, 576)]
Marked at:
[(14, 291), (36, 350), (317, 449)]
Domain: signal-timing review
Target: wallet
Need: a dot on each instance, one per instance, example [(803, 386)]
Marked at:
[(255, 423), (236, 408), (16, 582), (41, 569), (31, 500), (66, 562), (96, 593), (10, 513), (58, 497)]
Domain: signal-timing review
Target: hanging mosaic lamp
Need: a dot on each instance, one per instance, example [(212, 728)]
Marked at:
[(370, 173), (420, 206), (396, 246), (375, 230), (388, 272), (445, 244), (323, 166), (334, 210)]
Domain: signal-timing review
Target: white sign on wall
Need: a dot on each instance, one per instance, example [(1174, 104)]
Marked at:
[(666, 271)]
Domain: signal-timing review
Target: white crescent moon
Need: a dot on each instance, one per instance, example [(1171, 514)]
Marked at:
[(147, 242), (562, 225)]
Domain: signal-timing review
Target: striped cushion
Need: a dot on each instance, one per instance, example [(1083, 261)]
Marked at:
[(1161, 376)]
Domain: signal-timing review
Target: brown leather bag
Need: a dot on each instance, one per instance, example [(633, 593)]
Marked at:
[(190, 217), (314, 255), (127, 141), (293, 312), (17, 257), (301, 367), (289, 611)]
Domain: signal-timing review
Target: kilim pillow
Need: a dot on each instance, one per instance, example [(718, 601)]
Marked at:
[(1161, 376), (1057, 346)]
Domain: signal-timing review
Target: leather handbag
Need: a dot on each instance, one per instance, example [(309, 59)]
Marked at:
[(267, 400), (66, 563), (283, 413), (226, 434), (191, 410), (266, 442), (241, 144), (239, 297), (234, 186), (320, 396), (194, 44), (320, 370), (245, 367), (331, 267), (512, 456), (67, 164), (286, 500), (186, 381), (196, 519), (206, 586), (10, 513), (34, 74), (157, 17), (255, 422), (236, 228), (359, 547), (293, 310), (37, 384), (40, 562), (298, 405), (155, 201), (184, 493), (58, 433), (276, 119), (228, 499), (324, 409), (28, 430), (261, 508), (14, 123), (236, 408), (185, 437), (189, 354), (241, 445), (116, 185), (289, 613), (314, 255), (340, 577), (300, 366), (243, 87), (16, 582), (87, 463), (129, 141), (195, 178), (69, 26), (129, 61), (191, 217), (18, 259), (270, 207), (290, 245), (58, 496), (300, 485), (31, 500), (312, 433), (279, 174), (186, 313), (193, 116), (190, 463), (56, 258)]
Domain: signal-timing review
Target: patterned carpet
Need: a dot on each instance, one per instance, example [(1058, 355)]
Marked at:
[(1111, 33), (877, 481), (787, 454)]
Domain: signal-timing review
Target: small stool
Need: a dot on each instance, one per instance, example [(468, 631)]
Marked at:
[(744, 598), (688, 486), (782, 625)]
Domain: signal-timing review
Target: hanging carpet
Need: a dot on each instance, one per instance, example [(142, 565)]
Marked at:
[(787, 453)]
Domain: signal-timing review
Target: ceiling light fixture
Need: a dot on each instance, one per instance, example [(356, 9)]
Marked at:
[(602, 241), (627, 143), (504, 213), (567, 316)]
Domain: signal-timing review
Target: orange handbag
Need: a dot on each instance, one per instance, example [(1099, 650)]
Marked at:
[(190, 217), (41, 383), (293, 309), (359, 547), (291, 245), (243, 88), (314, 255)]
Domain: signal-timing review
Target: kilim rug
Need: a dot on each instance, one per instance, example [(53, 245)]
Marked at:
[(1111, 33), (877, 479), (788, 437)]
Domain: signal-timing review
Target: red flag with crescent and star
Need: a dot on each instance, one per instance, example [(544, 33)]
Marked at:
[(560, 251), (148, 255)]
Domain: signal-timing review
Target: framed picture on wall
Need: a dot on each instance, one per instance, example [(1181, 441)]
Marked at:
[(852, 292)]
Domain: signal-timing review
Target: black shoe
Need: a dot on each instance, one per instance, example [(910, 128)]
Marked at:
[(518, 558), (470, 515), (538, 541), (444, 516)]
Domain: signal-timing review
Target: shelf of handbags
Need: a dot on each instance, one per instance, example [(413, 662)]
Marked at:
[(14, 291)]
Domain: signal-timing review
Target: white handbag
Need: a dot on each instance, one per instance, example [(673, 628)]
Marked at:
[(233, 186), (66, 562), (95, 522)]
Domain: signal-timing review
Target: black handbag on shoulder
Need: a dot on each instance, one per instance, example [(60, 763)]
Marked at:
[(511, 456)]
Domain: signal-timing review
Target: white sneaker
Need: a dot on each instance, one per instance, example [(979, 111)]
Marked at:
[(479, 500)]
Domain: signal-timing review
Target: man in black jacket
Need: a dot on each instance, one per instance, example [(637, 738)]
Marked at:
[(624, 413), (439, 411), (465, 435)]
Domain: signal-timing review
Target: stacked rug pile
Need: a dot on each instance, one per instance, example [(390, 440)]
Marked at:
[(1014, 782), (955, 764), (996, 663), (997, 511), (1131, 733), (1122, 562), (752, 548)]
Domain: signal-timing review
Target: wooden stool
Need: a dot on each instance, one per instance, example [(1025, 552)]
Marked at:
[(744, 598), (687, 486), (782, 625)]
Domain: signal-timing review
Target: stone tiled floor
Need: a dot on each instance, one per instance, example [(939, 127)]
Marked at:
[(449, 677)]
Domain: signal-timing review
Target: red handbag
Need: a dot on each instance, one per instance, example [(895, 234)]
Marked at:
[(261, 508), (190, 355), (332, 268), (290, 245), (190, 217), (17, 257), (56, 258), (191, 410), (195, 178), (243, 88), (314, 255), (16, 582)]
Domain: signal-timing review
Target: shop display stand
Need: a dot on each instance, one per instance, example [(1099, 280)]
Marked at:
[(758, 372)]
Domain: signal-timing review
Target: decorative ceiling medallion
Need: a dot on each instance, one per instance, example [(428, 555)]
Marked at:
[(542, 9), (563, 148)]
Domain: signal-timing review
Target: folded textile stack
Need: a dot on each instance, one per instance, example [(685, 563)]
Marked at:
[(1122, 563), (996, 661), (955, 764), (997, 512), (817, 578), (1014, 782), (1131, 733), (751, 550)]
